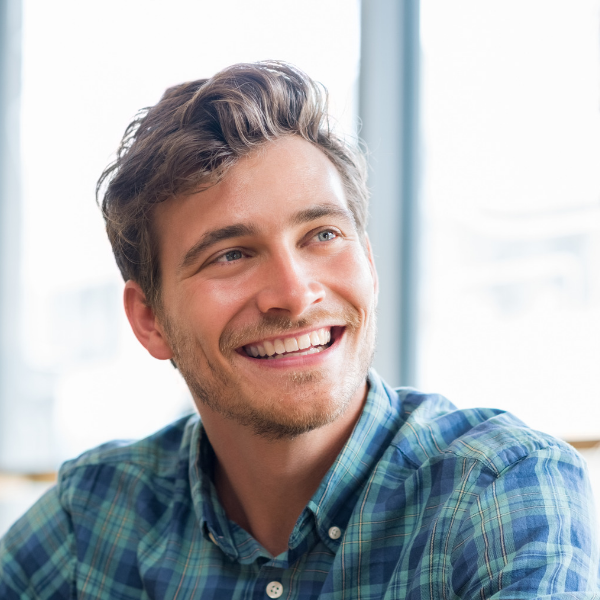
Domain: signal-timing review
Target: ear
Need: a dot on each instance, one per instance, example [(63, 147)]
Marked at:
[(144, 323), (371, 260)]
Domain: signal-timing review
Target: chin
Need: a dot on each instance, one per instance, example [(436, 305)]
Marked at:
[(302, 406)]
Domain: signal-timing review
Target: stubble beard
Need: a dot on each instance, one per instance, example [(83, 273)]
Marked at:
[(224, 394)]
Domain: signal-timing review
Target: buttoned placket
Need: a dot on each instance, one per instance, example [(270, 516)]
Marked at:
[(319, 522)]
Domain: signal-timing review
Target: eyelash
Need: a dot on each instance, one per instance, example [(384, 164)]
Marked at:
[(220, 259), (222, 256)]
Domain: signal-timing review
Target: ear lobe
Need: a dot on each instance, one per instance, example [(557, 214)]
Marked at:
[(372, 265), (144, 323)]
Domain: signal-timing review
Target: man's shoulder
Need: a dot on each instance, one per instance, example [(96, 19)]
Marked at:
[(158, 456), (435, 429)]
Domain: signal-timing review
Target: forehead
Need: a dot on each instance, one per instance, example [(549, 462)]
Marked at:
[(264, 189)]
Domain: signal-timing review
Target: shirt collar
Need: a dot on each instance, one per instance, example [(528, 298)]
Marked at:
[(209, 511), (333, 502), (336, 498)]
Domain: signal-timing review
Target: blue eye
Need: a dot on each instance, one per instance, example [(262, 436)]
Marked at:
[(326, 236), (230, 256)]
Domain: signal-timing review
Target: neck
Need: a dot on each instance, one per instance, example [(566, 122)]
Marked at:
[(264, 484)]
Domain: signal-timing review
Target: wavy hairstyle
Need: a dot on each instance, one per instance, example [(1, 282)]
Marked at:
[(194, 134)]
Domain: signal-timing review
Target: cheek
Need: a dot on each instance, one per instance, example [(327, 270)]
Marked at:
[(353, 281), (223, 295), (206, 307)]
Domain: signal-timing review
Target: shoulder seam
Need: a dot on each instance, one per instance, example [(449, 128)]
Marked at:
[(486, 461), (489, 466)]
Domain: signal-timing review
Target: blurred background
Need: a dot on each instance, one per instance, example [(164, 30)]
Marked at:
[(482, 121)]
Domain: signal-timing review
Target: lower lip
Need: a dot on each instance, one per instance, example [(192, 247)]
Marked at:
[(306, 360)]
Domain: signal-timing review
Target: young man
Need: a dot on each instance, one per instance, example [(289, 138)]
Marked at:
[(237, 218)]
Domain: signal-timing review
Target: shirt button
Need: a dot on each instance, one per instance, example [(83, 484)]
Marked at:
[(274, 589), (334, 533)]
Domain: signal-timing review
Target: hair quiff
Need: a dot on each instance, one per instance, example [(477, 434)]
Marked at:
[(196, 132)]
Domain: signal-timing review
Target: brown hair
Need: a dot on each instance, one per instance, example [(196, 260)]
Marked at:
[(194, 134)]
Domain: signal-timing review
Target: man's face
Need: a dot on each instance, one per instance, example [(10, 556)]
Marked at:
[(268, 293)]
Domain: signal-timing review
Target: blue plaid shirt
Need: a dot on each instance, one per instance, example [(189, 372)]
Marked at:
[(424, 501)]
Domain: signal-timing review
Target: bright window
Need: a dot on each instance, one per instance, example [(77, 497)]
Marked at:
[(511, 251)]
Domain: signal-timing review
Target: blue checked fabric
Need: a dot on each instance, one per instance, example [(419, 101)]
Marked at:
[(424, 501)]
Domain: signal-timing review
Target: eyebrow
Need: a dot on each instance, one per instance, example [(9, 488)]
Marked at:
[(243, 229), (214, 236), (322, 210)]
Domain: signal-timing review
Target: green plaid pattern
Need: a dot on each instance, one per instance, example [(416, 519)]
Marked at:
[(431, 502)]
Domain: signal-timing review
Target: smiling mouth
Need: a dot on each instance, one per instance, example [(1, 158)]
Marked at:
[(302, 345)]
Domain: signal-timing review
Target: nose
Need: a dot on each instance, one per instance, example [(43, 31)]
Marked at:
[(288, 286)]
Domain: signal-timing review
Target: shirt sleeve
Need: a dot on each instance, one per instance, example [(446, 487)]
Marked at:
[(37, 560), (532, 533)]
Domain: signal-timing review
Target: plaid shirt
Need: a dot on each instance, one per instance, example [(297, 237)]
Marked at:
[(424, 501)]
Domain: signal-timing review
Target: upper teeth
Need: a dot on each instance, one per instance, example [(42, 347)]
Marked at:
[(320, 337)]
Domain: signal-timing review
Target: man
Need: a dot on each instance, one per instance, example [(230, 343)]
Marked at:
[(237, 218)]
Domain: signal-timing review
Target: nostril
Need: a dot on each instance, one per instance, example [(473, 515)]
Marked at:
[(288, 300)]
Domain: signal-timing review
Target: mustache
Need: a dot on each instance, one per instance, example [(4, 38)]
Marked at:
[(273, 325)]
